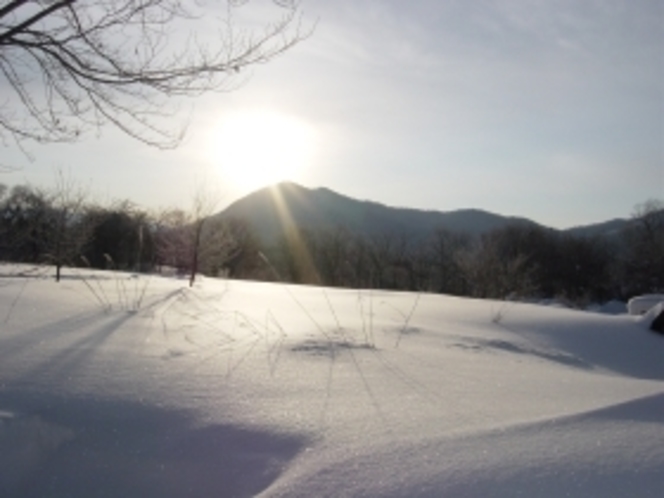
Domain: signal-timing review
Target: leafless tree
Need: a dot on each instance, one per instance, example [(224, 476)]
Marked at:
[(444, 248), (491, 274), (243, 258), (171, 239), (203, 206), (296, 249), (332, 248), (359, 262), (67, 234), (644, 239), (193, 241), (45, 225), (67, 66), (25, 224), (380, 251), (196, 241)]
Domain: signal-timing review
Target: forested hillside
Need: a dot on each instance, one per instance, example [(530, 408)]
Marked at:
[(311, 241)]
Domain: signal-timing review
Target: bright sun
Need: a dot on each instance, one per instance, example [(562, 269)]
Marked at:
[(259, 148)]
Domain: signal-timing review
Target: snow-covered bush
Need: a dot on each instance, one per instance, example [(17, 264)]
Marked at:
[(641, 304)]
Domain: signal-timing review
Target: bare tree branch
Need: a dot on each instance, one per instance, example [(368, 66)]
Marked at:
[(11, 6), (67, 66), (5, 37)]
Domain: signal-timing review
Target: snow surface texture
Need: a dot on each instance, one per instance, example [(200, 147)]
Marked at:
[(118, 385)]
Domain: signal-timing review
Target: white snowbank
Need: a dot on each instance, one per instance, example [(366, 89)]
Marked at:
[(144, 387), (646, 319), (641, 304)]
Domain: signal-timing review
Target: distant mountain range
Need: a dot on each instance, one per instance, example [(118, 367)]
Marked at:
[(273, 209)]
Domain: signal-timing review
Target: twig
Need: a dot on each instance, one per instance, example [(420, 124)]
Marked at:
[(405, 325)]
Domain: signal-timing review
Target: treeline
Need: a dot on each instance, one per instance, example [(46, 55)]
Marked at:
[(59, 226), (519, 261)]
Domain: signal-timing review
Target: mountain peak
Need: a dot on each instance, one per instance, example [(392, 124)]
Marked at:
[(321, 208), (324, 209)]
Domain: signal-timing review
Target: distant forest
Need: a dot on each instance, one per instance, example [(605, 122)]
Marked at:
[(61, 227)]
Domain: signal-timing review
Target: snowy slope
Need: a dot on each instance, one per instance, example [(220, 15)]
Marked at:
[(118, 385)]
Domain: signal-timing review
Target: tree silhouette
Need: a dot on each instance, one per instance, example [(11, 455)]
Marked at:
[(73, 65)]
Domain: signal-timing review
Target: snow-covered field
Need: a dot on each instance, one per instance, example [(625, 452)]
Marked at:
[(120, 386)]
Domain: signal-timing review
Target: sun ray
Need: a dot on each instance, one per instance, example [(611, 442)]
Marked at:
[(304, 263)]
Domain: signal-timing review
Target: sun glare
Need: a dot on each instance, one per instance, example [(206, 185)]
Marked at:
[(259, 148)]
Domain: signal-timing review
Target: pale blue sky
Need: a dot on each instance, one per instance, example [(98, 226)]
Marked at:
[(549, 109)]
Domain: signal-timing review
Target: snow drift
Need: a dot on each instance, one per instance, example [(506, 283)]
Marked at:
[(120, 385)]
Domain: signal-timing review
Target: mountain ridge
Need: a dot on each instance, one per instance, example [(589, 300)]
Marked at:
[(274, 209)]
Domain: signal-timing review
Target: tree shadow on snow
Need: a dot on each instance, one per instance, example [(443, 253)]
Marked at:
[(611, 344), (328, 347), (53, 447), (514, 347)]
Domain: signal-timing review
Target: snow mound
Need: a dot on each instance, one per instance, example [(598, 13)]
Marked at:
[(641, 304), (127, 449), (646, 319)]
